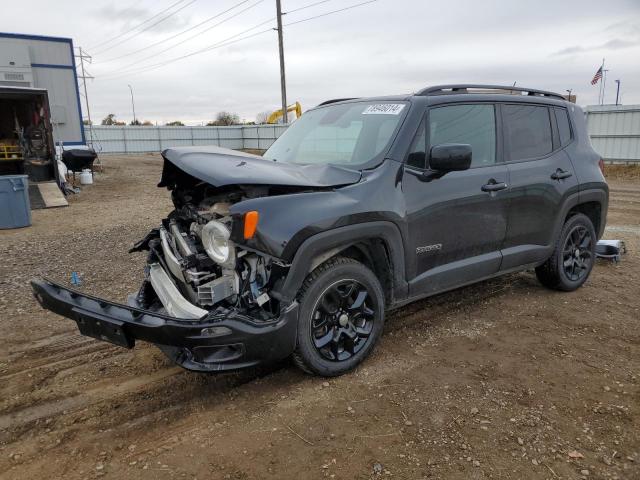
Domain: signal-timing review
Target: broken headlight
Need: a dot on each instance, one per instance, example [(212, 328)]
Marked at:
[(215, 239)]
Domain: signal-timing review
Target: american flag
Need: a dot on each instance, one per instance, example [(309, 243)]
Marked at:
[(597, 76)]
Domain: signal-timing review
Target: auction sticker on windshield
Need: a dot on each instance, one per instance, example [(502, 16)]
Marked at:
[(384, 109)]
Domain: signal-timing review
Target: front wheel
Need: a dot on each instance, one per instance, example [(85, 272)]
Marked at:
[(572, 260), (341, 317)]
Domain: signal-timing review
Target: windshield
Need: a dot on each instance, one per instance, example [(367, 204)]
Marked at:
[(350, 134)]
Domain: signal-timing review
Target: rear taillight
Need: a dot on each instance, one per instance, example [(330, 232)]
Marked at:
[(601, 165)]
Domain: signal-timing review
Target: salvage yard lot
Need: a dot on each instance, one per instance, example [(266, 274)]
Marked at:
[(503, 379)]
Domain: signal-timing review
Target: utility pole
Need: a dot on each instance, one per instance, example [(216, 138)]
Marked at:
[(618, 92), (283, 83), (133, 106), (83, 56)]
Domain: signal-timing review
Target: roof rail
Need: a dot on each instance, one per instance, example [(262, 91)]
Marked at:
[(464, 88), (327, 102)]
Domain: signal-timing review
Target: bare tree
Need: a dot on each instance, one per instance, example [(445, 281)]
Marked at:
[(224, 119), (109, 119), (262, 117)]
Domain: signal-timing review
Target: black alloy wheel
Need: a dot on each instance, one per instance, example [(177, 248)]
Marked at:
[(573, 255), (576, 255), (342, 320), (340, 317)]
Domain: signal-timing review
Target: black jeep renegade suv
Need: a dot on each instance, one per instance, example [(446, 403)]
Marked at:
[(361, 206)]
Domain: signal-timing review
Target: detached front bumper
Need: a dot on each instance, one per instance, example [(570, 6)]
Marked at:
[(217, 342)]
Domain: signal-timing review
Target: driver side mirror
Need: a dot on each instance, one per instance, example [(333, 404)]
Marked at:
[(450, 157)]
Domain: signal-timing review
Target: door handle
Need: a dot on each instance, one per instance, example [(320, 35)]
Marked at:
[(493, 186), (560, 174)]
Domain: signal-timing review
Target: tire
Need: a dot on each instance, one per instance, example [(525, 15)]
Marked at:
[(573, 256), (330, 309)]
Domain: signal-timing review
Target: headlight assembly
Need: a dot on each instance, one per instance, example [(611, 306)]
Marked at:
[(215, 239)]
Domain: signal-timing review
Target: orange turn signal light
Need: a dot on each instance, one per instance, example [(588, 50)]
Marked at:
[(250, 224)]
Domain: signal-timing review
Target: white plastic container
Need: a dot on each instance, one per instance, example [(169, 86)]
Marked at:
[(86, 177)]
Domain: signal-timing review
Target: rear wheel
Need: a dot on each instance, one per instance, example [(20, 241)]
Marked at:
[(572, 260), (341, 317)]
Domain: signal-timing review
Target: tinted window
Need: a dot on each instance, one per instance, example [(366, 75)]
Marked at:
[(564, 127), (529, 131), (417, 156), (469, 124)]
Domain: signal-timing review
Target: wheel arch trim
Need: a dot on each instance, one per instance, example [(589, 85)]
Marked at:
[(584, 196), (324, 245)]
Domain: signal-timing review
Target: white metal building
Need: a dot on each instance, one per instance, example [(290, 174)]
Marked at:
[(49, 63), (615, 131)]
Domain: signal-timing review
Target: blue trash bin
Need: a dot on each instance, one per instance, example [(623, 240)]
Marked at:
[(15, 209)]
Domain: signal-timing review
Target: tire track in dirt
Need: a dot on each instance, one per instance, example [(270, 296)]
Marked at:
[(103, 391), (28, 361)]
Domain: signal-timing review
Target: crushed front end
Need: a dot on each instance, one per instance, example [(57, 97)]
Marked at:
[(206, 302)]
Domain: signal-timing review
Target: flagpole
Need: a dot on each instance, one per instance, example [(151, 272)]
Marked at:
[(600, 94)]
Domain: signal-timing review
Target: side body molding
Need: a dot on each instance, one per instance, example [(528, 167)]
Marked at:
[(342, 238)]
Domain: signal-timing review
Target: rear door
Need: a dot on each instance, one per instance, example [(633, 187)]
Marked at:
[(541, 176), (457, 222)]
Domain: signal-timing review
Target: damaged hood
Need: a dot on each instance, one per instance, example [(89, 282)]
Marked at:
[(221, 166)]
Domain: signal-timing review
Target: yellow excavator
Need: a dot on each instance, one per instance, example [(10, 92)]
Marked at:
[(296, 107)]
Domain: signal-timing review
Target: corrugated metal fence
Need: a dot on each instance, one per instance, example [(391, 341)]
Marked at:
[(128, 139), (615, 131)]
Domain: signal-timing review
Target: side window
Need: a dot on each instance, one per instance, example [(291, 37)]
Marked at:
[(564, 127), (529, 131), (417, 157), (470, 124)]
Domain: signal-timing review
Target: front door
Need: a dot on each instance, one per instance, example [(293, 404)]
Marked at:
[(456, 223)]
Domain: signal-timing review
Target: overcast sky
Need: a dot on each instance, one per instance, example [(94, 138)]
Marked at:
[(384, 47)]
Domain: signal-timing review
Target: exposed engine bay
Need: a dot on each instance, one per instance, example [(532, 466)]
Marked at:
[(193, 249)]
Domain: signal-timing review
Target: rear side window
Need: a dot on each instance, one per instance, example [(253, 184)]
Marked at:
[(528, 130), (564, 127), (469, 124)]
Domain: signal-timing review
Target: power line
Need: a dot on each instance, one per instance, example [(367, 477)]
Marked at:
[(223, 43), (229, 41), (155, 55), (213, 47), (146, 28), (329, 13), (140, 24), (177, 34), (306, 6)]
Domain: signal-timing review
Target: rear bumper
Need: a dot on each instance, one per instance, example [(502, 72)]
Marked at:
[(217, 342)]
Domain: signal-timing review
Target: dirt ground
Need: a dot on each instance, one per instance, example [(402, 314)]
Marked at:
[(502, 380)]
